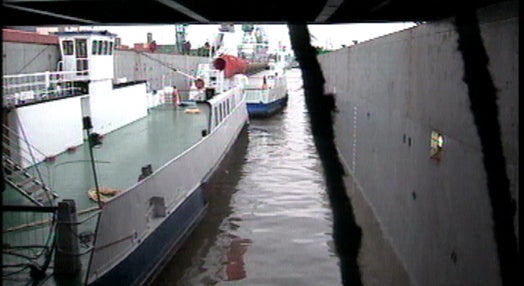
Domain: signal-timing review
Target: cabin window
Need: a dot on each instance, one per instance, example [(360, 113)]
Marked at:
[(436, 144), (111, 48), (81, 48), (99, 50), (105, 50), (67, 46), (94, 48)]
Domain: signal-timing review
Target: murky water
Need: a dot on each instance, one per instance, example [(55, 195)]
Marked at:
[(269, 220)]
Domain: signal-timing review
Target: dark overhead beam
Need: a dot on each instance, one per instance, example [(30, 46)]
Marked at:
[(38, 1), (51, 14), (380, 5), (184, 10), (328, 10)]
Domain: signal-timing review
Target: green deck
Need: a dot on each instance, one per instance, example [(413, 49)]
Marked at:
[(155, 139)]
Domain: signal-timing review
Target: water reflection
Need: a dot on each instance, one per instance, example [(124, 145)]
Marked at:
[(208, 237), (234, 269), (269, 220)]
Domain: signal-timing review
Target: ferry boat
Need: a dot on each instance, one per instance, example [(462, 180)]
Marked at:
[(266, 92), (103, 180)]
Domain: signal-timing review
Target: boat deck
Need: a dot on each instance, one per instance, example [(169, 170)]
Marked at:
[(165, 133), (162, 135)]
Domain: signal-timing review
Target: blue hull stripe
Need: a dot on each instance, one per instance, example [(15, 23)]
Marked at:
[(159, 247), (266, 109)]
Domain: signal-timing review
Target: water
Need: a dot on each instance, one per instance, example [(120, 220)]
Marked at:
[(269, 220)]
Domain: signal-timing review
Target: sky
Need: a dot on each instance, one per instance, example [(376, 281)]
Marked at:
[(331, 36)]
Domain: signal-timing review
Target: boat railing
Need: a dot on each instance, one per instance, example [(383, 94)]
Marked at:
[(27, 88), (259, 95), (37, 238), (27, 241), (22, 153)]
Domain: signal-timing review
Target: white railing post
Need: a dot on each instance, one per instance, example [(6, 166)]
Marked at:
[(47, 75)]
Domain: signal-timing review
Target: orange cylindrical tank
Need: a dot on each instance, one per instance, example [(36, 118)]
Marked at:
[(231, 65)]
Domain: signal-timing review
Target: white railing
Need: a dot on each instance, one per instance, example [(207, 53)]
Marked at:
[(257, 95), (27, 88), (256, 91)]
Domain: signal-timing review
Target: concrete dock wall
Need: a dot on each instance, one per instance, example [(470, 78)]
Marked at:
[(30, 58), (392, 93), (136, 66), (21, 58)]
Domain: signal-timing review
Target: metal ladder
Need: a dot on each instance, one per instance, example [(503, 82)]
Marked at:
[(26, 184), (27, 181)]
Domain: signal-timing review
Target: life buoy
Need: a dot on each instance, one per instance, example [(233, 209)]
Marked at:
[(199, 83), (192, 110)]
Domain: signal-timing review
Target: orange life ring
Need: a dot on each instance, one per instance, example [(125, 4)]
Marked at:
[(199, 83)]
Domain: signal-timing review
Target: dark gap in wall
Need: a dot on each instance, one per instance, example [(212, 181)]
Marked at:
[(483, 104), (347, 234)]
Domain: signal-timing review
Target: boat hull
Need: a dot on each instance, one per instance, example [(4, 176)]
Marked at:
[(160, 246), (132, 242), (266, 109)]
